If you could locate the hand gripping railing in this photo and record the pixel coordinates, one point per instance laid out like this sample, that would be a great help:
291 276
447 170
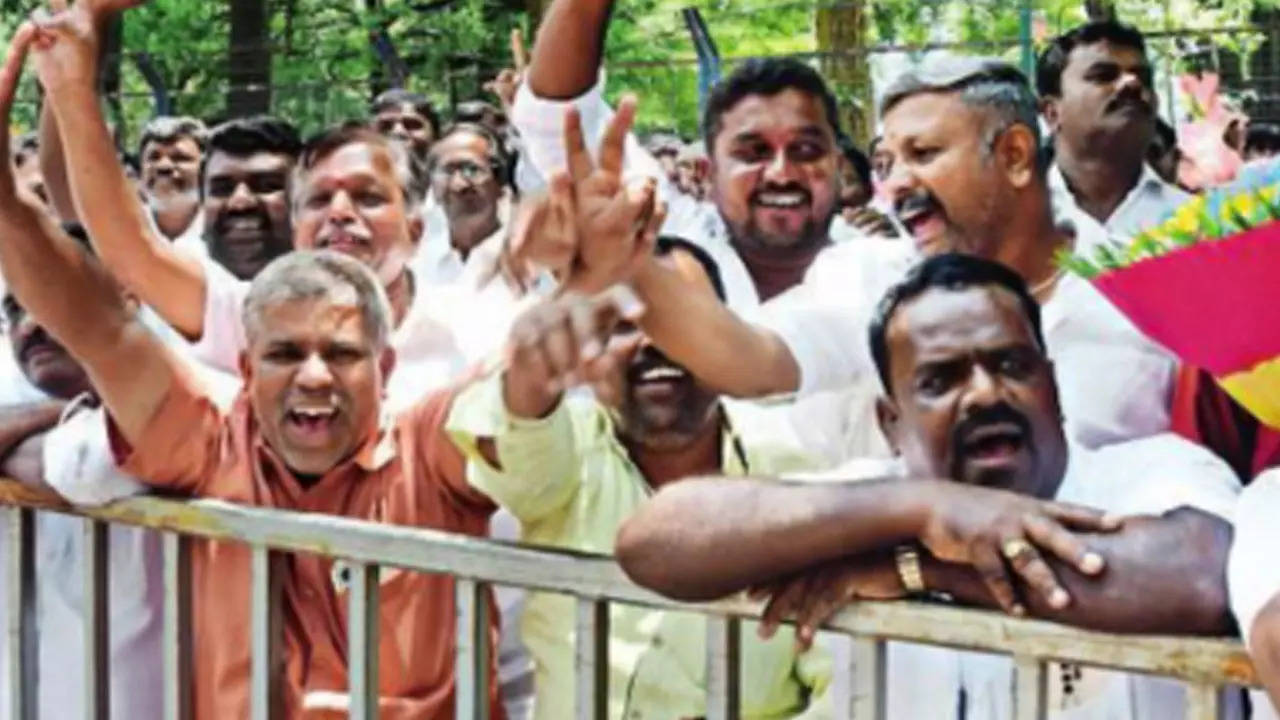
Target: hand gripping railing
1204 664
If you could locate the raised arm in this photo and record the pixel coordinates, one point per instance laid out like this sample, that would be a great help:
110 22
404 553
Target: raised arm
69 293
53 166
116 219
702 539
567 52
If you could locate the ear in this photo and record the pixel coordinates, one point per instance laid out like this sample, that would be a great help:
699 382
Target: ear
416 224
386 364
246 367
887 417
1049 110
1018 154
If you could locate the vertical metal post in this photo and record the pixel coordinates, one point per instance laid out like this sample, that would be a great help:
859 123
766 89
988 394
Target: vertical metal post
24 642
471 701
97 628
869 675
724 656
177 627
362 641
591 659
1030 693
1203 702
265 609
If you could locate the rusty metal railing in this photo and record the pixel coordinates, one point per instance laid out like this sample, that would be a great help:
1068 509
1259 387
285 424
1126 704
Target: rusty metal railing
1205 665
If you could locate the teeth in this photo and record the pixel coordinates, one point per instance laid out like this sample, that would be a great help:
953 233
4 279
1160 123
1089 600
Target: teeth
662 373
314 413
781 199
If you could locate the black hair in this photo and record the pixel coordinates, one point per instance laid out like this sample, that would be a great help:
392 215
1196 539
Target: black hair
667 244
1264 137
858 159
765 76
419 102
499 158
1165 134
1054 58
475 111
948 271
242 137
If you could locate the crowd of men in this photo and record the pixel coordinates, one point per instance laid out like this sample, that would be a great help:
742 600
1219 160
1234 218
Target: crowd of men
762 360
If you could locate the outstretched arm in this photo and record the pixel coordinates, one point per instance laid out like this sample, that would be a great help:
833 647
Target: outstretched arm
566 54
103 198
69 293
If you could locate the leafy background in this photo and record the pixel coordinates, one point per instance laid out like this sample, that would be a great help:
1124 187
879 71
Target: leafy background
316 59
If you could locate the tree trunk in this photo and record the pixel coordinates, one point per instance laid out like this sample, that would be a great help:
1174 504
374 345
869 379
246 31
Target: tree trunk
248 59
841 32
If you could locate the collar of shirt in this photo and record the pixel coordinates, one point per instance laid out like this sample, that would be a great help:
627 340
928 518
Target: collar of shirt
1146 203
733 455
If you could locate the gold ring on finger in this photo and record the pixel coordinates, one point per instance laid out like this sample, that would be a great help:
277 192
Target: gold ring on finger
1013 547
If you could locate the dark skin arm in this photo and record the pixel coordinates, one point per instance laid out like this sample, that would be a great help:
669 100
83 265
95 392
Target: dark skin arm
1264 647
676 543
1179 557
567 52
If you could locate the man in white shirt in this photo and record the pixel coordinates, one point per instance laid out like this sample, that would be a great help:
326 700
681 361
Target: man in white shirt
970 397
39 446
965 174
1254 580
1099 103
469 173
170 154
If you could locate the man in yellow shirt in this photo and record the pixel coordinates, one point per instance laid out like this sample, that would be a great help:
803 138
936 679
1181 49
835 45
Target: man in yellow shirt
572 469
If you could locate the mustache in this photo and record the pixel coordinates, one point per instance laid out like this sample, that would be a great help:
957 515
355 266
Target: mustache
1129 97
999 414
918 201
34 340
647 359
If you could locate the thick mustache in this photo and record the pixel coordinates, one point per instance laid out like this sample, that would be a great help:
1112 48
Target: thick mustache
37 339
920 201
1121 101
1000 413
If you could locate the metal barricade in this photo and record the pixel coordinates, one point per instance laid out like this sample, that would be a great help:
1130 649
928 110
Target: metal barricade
1205 665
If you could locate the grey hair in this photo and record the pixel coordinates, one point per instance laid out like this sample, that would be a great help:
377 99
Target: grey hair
319 274
317 148
993 86
170 128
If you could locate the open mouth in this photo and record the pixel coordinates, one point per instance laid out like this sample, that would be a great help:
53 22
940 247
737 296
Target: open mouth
311 426
41 352
781 200
345 243
994 444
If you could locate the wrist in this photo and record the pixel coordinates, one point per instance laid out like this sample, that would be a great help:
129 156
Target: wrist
526 399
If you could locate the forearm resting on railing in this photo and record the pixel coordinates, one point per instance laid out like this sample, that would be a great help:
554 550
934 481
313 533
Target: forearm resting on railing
19 422
1163 575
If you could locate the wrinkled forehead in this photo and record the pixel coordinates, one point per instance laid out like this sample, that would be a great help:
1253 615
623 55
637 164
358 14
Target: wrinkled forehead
940 324
933 113
335 316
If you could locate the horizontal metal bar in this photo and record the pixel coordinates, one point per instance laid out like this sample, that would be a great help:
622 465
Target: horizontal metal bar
97 631
1193 659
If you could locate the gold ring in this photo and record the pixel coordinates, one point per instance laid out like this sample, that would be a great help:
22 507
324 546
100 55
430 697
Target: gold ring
1013 547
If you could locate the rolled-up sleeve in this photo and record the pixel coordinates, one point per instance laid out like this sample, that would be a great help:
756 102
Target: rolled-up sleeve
539 470
182 444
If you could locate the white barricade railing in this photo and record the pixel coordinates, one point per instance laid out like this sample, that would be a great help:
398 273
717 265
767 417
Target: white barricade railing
1205 665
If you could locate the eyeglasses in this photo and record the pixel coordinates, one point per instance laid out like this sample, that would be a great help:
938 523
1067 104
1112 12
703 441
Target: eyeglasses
473 173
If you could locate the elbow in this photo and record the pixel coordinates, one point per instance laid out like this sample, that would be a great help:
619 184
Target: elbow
648 559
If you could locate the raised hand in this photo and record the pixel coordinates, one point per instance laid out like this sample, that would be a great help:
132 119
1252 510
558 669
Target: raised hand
15 201
617 222
1001 533
560 343
66 46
